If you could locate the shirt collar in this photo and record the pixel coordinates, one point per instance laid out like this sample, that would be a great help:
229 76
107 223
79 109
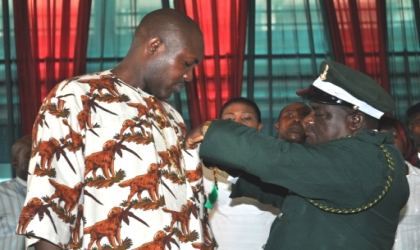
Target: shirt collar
21 182
412 170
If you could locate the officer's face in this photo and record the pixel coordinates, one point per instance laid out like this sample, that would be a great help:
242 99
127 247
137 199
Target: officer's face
326 123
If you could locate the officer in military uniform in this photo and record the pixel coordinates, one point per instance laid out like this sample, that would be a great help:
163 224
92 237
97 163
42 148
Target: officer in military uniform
347 183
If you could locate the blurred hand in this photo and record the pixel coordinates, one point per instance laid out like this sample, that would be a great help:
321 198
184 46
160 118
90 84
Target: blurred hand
46 245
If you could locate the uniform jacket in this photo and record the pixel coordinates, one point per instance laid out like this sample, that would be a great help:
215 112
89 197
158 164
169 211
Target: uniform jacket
344 194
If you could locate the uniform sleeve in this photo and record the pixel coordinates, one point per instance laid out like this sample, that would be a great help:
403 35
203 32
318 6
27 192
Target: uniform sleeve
252 187
337 172
55 172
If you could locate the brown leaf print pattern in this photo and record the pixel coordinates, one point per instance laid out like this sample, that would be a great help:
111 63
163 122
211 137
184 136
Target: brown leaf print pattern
110 227
73 140
104 159
160 240
75 231
69 195
195 175
171 158
148 182
183 217
84 117
56 109
106 82
47 150
39 121
204 246
34 207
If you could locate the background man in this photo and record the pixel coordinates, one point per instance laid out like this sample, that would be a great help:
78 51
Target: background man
289 125
413 114
12 195
347 185
108 167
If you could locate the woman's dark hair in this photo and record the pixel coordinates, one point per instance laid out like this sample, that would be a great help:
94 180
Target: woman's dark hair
242 100
407 137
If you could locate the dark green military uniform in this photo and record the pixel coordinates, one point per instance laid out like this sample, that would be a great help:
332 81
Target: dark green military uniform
344 194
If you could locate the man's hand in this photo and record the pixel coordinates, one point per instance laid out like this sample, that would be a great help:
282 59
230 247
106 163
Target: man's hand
195 136
46 245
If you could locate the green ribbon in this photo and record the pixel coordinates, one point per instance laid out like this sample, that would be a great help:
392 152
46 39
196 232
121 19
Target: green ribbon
212 197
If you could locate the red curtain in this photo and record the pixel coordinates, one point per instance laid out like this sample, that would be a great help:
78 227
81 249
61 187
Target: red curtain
358 33
219 77
51 43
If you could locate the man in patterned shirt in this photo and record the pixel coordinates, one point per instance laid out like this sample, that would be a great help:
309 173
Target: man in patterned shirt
108 168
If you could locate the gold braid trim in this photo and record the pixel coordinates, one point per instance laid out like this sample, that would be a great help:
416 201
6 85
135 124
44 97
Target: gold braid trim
368 205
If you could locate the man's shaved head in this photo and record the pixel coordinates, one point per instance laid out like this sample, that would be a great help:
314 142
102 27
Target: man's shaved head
168 24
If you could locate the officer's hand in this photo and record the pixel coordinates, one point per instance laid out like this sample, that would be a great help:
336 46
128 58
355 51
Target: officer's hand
194 137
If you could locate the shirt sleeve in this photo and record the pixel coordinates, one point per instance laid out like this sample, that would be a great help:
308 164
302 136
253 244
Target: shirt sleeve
55 172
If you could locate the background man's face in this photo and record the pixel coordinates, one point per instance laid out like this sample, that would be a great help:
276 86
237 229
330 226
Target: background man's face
326 123
290 124
414 126
20 161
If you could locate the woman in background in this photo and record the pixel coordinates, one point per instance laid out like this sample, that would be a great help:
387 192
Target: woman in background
239 223
408 231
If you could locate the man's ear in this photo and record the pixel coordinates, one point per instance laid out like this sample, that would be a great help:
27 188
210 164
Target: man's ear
357 121
153 45
15 162
260 126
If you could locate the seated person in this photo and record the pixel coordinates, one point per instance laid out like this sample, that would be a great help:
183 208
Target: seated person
12 195
408 233
239 223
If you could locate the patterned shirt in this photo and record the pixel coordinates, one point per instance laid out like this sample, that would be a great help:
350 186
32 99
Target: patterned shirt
108 170
12 196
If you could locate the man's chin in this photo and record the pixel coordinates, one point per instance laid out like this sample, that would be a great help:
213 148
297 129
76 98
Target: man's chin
163 97
311 141
296 137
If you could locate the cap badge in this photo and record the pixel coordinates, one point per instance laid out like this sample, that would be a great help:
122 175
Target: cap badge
323 76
